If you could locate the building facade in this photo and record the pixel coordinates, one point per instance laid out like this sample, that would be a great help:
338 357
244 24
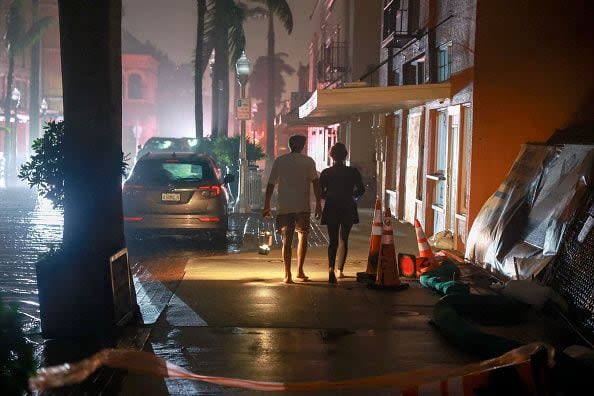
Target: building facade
340 50
426 175
460 86
515 77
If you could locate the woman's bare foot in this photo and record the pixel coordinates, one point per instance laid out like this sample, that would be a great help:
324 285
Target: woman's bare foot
331 277
302 276
341 274
288 280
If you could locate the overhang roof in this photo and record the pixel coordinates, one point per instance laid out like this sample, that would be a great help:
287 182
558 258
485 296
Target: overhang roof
330 106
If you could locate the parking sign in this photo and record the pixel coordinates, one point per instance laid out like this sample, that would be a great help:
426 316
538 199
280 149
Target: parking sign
243 109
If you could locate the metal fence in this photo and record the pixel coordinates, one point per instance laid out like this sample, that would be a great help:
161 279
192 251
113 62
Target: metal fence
254 189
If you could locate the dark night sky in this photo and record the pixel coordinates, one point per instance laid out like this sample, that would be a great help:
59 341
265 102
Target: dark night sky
171 25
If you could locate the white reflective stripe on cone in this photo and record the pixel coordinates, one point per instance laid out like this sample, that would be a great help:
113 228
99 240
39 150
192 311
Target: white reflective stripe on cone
376 230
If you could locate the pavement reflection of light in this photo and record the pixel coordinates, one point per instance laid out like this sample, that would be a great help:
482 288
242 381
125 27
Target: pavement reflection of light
264 293
266 347
255 275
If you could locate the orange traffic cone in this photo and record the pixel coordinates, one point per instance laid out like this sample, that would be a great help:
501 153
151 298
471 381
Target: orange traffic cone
387 269
375 242
426 259
424 248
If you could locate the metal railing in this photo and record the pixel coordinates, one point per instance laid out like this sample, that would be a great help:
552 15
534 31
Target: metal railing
255 193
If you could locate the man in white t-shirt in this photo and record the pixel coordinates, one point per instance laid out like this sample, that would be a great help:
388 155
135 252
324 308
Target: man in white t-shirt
293 172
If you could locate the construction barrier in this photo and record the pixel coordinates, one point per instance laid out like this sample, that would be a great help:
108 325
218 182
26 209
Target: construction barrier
424 248
520 371
426 259
375 242
387 276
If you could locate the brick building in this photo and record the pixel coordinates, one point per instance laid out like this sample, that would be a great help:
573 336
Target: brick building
462 84
514 78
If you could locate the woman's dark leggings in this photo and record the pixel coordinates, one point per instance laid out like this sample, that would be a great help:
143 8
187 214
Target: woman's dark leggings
336 230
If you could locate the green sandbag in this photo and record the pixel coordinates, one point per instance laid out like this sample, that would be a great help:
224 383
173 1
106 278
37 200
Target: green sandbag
448 317
442 279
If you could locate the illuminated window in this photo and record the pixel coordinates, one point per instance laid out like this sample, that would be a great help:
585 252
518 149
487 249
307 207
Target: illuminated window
444 63
134 87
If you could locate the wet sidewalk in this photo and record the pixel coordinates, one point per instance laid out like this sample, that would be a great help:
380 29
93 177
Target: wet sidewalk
232 316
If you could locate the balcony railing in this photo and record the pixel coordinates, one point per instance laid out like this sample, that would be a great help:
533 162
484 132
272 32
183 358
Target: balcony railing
401 22
332 65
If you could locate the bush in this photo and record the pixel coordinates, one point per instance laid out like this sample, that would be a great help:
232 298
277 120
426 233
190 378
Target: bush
16 353
45 169
226 150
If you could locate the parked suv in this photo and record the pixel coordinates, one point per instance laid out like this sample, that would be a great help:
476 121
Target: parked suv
176 194
167 145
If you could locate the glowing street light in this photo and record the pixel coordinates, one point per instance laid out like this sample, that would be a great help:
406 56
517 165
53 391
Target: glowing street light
242 67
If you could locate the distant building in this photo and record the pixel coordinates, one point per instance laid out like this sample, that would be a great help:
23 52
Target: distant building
157 94
339 51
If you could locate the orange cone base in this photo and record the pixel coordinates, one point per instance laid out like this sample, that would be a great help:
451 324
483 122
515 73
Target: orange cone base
364 277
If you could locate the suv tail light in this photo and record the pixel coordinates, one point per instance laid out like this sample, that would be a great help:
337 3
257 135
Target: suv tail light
209 219
132 187
210 191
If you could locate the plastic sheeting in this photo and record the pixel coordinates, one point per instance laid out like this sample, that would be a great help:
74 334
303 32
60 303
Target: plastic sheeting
519 229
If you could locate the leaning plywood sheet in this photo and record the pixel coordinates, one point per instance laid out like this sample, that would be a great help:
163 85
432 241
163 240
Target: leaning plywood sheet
520 227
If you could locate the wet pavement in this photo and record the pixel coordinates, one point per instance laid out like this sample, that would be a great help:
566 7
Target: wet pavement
29 227
236 318
226 312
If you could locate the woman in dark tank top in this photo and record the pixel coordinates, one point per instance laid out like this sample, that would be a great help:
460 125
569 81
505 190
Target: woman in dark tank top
340 187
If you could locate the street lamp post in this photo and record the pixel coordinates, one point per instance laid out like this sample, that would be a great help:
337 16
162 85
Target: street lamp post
242 66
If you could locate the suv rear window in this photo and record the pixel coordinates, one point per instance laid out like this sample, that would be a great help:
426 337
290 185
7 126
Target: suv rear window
171 170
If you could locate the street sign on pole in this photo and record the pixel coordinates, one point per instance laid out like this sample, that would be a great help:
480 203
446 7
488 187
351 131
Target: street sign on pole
243 109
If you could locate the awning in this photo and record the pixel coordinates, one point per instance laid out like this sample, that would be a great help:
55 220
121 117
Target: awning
330 106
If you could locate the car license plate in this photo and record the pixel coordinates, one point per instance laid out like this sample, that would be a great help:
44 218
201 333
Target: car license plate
170 197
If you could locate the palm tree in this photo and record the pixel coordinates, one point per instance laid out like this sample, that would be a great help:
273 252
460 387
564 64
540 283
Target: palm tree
18 38
258 89
282 11
198 69
223 32
34 80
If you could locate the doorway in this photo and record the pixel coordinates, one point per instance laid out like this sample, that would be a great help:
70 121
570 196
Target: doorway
446 171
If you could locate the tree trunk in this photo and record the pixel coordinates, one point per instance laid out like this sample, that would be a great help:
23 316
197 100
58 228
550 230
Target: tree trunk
220 75
93 223
10 137
198 74
270 94
34 83
224 90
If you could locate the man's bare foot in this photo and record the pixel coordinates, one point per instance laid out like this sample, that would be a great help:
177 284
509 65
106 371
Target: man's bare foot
288 280
341 274
302 276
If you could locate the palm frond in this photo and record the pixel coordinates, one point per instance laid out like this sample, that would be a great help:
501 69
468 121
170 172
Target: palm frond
209 29
33 35
281 9
15 22
237 16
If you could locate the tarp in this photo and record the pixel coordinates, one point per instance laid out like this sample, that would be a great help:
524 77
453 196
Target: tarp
519 229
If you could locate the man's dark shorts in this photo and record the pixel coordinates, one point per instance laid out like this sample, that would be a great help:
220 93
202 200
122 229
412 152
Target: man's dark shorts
289 222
